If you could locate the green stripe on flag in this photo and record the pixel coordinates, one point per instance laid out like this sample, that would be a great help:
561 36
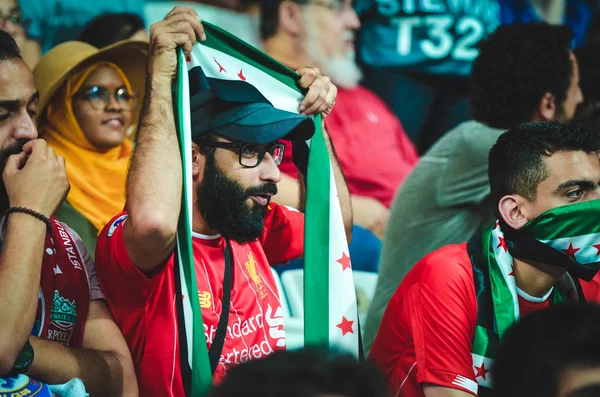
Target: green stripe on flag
544 227
201 371
316 243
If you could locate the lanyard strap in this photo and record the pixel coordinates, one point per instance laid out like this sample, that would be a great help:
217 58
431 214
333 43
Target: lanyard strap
217 346
219 341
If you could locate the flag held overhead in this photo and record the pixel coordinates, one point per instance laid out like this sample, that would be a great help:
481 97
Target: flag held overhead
229 87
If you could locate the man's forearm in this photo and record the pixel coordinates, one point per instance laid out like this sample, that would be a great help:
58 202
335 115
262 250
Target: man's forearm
20 269
101 372
154 182
155 178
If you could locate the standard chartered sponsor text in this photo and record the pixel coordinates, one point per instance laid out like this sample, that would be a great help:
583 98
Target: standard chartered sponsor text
241 329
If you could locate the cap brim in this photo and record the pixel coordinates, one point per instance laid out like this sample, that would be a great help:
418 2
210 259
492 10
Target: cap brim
258 123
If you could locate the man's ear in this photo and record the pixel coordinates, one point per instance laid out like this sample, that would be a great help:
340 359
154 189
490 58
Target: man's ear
290 18
546 110
198 160
514 209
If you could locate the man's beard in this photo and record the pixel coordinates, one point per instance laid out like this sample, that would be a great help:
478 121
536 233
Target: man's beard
223 204
340 68
5 153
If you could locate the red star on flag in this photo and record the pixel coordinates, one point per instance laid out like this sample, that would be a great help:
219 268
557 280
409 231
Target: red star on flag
187 58
221 68
512 266
481 371
346 326
571 251
496 224
597 246
344 261
502 244
241 75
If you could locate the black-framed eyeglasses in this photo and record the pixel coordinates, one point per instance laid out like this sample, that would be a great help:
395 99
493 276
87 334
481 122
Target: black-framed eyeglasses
251 154
99 97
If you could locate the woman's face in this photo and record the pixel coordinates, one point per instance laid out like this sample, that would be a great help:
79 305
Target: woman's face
103 118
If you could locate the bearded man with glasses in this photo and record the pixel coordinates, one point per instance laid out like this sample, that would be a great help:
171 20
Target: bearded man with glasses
237 233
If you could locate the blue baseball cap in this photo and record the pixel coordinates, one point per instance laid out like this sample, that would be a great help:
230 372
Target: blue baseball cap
237 110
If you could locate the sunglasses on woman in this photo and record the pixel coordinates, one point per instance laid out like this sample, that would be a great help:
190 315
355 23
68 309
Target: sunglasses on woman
99 97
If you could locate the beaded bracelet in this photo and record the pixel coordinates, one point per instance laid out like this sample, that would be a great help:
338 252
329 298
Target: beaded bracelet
33 213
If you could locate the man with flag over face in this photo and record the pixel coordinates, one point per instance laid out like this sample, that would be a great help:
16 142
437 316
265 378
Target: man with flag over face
236 231
440 333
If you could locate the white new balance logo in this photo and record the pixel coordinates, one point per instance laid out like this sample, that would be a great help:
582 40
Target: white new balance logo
465 383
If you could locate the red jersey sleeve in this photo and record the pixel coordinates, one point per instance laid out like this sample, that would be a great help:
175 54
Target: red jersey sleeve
428 327
124 285
283 238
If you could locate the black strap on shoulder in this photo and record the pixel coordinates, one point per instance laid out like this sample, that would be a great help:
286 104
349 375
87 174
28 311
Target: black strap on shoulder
217 346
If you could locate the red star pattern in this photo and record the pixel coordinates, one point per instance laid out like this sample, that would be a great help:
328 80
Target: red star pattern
481 371
496 225
241 75
512 266
502 244
187 58
346 326
344 261
597 246
571 251
221 68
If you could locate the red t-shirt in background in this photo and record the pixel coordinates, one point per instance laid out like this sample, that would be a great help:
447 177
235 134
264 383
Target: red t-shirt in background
426 334
145 310
374 152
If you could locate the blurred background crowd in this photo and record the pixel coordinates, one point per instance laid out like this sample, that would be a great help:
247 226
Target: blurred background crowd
412 126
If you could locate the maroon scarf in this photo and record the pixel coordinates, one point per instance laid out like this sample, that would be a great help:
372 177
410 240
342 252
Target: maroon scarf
64 290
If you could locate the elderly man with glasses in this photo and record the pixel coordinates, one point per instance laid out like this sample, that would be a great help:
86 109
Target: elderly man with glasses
374 152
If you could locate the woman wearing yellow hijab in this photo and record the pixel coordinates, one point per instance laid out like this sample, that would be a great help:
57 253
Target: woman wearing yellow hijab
87 111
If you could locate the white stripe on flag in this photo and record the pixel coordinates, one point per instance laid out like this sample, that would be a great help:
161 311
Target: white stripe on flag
481 370
219 65
342 295
505 263
583 246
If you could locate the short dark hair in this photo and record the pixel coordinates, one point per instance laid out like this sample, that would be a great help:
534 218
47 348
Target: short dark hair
588 116
110 28
203 141
536 350
516 161
269 16
8 47
302 373
516 66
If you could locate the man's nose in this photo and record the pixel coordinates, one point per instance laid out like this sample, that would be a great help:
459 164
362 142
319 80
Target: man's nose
24 127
